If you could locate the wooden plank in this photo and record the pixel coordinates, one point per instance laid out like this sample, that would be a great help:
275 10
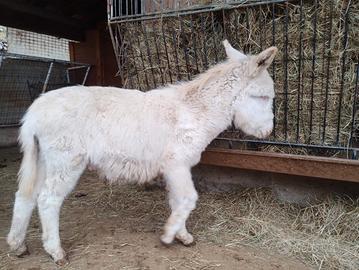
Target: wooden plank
39 20
322 167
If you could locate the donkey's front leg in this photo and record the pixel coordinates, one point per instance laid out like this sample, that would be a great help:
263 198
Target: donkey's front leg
182 200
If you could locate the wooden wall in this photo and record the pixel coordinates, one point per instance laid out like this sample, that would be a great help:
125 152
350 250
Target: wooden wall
97 50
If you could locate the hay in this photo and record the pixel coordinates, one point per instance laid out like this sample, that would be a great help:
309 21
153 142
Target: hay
192 44
325 235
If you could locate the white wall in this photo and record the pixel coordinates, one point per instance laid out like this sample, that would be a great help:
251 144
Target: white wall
34 44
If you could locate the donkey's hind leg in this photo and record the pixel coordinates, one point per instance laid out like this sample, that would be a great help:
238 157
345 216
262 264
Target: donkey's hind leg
23 207
182 200
59 182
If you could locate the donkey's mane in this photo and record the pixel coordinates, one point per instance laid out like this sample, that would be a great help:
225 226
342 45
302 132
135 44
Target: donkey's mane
202 79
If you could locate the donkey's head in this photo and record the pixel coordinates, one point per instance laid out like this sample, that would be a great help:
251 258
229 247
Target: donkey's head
252 108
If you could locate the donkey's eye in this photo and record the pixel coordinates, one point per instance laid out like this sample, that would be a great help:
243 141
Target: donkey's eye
262 98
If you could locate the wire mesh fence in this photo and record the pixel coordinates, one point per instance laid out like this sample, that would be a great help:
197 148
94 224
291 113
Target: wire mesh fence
24 78
315 72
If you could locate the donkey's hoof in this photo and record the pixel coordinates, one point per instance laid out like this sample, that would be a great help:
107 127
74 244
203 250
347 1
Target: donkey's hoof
22 251
167 242
60 258
187 240
62 262
189 244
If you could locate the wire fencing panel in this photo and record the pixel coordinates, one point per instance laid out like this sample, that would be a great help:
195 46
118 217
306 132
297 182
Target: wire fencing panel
24 78
315 71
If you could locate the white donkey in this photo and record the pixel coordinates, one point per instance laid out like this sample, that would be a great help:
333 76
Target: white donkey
131 136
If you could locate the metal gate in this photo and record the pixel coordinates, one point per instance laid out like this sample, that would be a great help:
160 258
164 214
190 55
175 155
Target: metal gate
316 71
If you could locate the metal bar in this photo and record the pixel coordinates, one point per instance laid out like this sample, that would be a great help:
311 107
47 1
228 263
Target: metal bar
143 62
149 55
236 33
288 144
179 77
10 125
273 71
204 44
47 78
119 44
78 67
261 30
127 65
354 110
286 74
321 167
189 11
345 47
328 70
301 25
110 12
67 76
114 45
121 13
86 75
214 37
2 57
246 45
224 23
314 47
111 9
134 64
185 49
166 50
121 54
38 59
194 41
157 52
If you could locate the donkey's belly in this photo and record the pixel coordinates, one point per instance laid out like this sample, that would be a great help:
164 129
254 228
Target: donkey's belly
127 170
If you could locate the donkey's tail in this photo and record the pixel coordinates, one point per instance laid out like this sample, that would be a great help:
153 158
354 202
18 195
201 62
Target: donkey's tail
29 166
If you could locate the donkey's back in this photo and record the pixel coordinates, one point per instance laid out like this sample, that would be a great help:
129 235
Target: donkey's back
123 133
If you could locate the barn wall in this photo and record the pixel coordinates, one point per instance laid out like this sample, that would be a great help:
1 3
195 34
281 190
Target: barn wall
97 50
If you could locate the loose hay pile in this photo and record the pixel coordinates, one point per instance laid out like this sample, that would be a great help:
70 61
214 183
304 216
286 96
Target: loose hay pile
314 72
325 235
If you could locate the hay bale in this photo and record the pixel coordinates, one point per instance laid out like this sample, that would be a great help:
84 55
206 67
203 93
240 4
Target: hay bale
312 80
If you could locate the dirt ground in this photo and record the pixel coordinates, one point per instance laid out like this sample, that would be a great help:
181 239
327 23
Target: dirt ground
114 227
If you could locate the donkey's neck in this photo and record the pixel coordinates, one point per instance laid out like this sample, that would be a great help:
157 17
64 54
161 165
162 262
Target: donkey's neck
210 96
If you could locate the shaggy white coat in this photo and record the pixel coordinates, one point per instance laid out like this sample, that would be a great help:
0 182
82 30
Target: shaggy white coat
132 136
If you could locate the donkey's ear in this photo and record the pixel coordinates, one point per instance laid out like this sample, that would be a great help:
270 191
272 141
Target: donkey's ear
232 53
262 61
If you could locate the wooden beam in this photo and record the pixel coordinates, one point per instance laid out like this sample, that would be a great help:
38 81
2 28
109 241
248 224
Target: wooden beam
37 20
311 166
40 13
